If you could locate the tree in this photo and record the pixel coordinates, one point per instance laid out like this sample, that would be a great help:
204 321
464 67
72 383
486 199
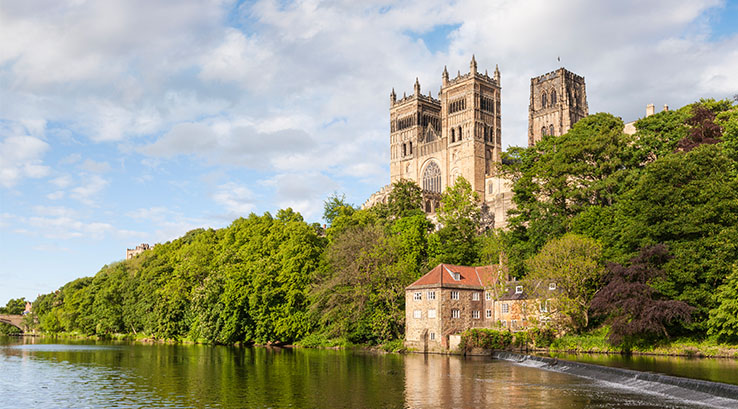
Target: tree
405 199
560 177
703 129
456 241
636 311
573 263
723 322
334 206
15 306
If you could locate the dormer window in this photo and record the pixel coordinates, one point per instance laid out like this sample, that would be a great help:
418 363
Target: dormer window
457 276
518 289
551 286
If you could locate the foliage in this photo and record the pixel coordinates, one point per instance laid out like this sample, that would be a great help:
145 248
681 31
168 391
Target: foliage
559 178
573 263
405 199
637 311
723 323
485 338
459 214
335 206
15 306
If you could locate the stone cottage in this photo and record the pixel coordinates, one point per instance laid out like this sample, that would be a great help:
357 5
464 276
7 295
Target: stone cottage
451 299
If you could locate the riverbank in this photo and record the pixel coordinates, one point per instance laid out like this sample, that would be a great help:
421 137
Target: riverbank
596 342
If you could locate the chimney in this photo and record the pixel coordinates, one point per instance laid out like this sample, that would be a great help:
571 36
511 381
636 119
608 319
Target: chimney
666 108
650 109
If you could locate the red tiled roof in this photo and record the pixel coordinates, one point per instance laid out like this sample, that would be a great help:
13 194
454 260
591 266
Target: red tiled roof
443 275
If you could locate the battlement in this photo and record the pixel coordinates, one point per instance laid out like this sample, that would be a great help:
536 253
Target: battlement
553 74
131 253
420 97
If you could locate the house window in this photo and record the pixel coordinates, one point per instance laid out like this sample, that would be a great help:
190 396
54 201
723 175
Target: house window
544 306
503 324
475 314
505 308
455 313
513 324
488 296
457 276
431 313
551 129
489 313
417 314
432 336
551 286
475 296
454 295
418 296
431 295
518 289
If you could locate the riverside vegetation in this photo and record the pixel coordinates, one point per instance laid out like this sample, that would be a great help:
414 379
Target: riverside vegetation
640 232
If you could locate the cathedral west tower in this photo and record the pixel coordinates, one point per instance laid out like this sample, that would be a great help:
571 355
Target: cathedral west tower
433 141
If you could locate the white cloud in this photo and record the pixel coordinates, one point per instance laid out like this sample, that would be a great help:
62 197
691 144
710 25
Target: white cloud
95 167
238 200
303 192
87 192
21 157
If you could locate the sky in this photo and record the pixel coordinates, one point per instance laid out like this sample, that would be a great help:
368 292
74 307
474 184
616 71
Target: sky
135 121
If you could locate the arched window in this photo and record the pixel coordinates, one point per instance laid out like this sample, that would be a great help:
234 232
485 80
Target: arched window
551 129
543 99
553 97
432 178
453 135
459 138
543 131
411 148
404 149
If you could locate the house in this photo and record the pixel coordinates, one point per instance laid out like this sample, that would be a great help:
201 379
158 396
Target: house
451 299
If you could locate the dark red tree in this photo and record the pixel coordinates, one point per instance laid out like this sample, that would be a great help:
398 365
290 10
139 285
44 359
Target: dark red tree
703 131
635 310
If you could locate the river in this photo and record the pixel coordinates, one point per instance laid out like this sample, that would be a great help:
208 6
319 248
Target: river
42 373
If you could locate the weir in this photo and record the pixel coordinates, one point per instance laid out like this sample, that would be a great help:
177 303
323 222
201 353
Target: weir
714 394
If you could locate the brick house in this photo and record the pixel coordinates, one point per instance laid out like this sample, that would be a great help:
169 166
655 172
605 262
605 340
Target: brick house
450 299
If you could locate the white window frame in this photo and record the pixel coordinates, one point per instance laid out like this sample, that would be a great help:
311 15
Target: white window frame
432 336
418 296
505 308
518 289
488 295
544 306
431 295
454 295
489 313
475 296
455 313
475 314
431 313
457 276
417 314
514 324
551 286
503 323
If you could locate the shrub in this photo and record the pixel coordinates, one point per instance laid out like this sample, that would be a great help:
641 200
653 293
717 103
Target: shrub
485 338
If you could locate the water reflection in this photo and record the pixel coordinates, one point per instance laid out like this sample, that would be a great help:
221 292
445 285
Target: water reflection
43 374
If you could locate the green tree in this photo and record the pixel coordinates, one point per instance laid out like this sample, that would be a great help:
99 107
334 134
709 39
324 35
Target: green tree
456 241
14 306
335 206
574 264
723 322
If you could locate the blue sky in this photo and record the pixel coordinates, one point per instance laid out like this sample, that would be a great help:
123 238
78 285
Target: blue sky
135 121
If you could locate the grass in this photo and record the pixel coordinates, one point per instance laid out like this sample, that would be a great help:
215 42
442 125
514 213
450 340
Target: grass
595 341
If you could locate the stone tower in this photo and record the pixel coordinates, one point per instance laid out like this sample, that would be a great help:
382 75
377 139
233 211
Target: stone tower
557 101
433 141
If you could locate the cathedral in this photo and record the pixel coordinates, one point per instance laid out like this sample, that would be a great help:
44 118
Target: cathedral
433 141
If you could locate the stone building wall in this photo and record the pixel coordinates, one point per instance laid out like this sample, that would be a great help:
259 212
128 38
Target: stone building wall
555 116
459 133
